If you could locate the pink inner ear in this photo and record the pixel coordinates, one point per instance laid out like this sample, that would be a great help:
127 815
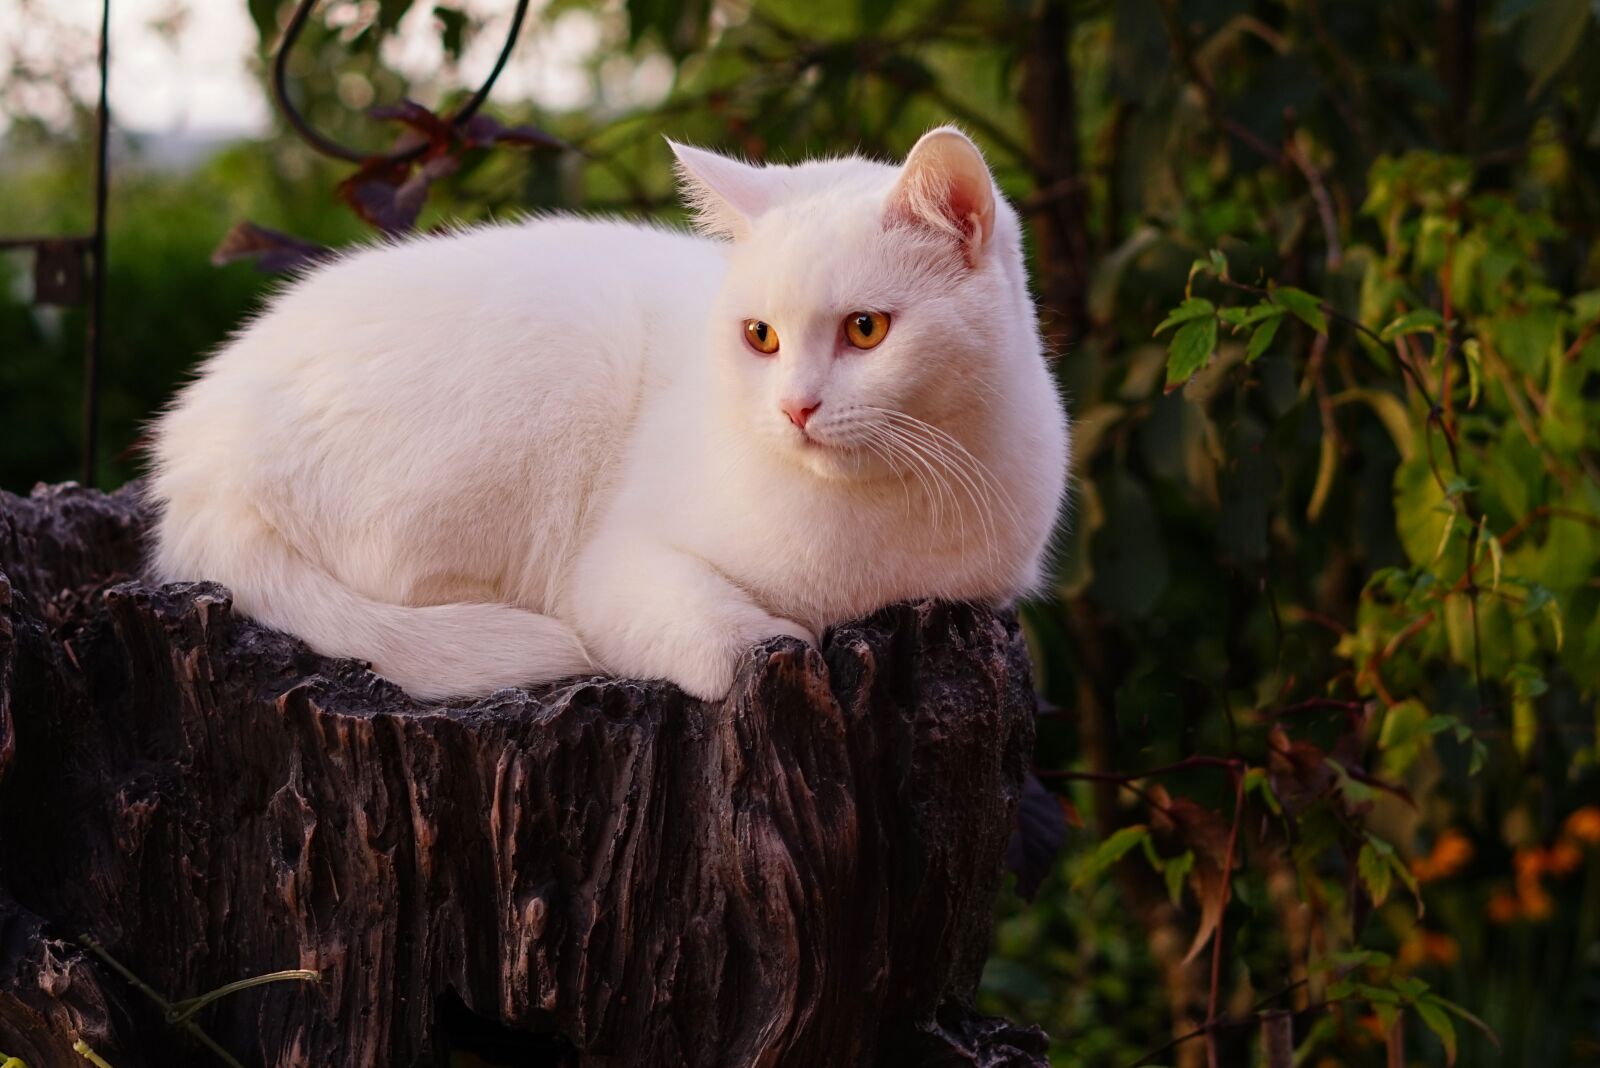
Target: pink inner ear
946 187
962 207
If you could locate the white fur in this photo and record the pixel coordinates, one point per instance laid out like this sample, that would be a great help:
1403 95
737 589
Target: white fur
516 453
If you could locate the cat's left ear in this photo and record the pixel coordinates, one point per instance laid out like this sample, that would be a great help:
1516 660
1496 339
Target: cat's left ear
725 195
945 185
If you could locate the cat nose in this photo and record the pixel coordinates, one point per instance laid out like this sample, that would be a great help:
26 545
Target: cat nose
799 412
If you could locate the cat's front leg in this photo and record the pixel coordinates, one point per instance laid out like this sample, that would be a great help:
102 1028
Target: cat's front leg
647 610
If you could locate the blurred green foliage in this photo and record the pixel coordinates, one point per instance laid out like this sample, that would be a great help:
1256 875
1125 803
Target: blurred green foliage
1332 572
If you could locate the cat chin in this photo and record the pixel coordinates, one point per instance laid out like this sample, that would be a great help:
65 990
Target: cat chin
837 463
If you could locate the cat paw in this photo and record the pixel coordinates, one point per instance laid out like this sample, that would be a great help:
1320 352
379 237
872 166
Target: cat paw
784 628
712 678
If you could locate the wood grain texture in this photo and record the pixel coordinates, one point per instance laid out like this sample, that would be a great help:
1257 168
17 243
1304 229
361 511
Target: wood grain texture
802 874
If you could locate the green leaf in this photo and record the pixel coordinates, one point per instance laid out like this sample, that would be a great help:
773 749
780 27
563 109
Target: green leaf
1403 736
874 12
1262 338
1438 1022
1250 314
1176 871
1473 354
1378 995
1193 308
264 13
1376 875
1110 851
1462 1014
1497 553
1256 780
1541 601
1353 958
1409 986
452 29
1409 881
1444 538
1191 347
1526 338
390 12
1419 321
1327 465
1586 307
1306 308
1551 37
1528 681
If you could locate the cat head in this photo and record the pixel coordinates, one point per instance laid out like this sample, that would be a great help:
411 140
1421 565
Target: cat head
864 303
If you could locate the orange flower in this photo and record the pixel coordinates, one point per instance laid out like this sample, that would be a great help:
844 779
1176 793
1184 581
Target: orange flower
1584 824
1503 906
1563 857
1452 851
1534 903
1529 861
1428 947
1440 948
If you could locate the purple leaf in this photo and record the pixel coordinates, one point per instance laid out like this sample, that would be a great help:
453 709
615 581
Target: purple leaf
480 131
390 194
1041 829
271 250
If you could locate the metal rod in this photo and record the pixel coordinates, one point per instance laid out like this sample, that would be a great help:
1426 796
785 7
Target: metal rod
94 346
327 145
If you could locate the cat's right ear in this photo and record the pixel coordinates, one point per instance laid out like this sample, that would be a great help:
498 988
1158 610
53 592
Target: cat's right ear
725 195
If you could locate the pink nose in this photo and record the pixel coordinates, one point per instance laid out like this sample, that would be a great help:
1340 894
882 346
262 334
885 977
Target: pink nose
799 412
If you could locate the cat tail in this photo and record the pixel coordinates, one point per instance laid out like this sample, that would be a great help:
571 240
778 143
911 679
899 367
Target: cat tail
432 651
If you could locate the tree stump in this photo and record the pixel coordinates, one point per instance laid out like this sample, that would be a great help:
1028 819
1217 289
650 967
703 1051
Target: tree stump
596 873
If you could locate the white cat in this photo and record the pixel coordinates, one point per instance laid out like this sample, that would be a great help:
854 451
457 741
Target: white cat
516 453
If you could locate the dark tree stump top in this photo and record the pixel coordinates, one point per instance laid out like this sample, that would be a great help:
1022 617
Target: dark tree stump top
802 874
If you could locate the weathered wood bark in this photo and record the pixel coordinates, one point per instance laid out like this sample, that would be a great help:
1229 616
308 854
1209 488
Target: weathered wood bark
606 871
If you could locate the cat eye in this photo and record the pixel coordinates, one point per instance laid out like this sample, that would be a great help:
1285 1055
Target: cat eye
761 336
865 329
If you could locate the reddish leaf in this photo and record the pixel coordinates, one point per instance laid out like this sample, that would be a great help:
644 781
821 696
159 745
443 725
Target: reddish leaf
272 250
436 132
1298 769
481 131
1213 890
390 194
1196 827
1192 826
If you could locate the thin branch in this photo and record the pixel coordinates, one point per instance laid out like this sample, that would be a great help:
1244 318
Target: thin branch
1128 778
1319 195
1319 704
1257 1007
1546 511
188 1026
1227 886
1184 48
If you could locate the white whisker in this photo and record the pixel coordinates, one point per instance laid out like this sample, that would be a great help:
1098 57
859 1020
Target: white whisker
972 464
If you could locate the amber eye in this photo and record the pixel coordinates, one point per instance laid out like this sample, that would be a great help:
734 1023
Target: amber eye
761 336
865 329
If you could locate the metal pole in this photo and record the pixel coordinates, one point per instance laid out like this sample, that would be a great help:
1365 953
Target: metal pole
95 341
